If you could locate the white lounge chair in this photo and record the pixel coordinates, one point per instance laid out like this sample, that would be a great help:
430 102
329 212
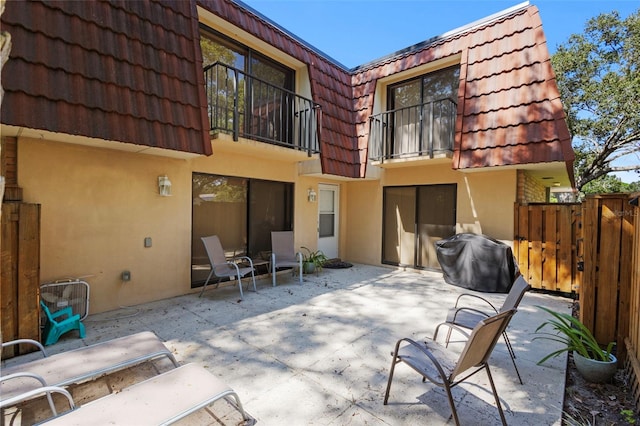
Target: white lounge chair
82 364
160 400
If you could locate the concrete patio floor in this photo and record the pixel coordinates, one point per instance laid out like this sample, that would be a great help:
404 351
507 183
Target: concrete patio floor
319 353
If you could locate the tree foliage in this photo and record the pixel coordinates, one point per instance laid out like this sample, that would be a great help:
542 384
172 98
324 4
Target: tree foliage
599 81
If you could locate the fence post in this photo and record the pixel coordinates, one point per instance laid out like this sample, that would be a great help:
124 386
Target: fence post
20 253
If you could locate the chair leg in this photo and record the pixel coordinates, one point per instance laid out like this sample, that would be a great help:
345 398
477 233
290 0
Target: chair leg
452 404
512 354
495 395
81 330
240 287
205 283
393 367
446 342
273 268
253 277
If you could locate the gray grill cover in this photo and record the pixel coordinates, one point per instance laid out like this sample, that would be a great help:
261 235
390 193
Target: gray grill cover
477 262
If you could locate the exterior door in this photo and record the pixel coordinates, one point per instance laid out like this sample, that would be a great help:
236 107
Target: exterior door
414 218
328 200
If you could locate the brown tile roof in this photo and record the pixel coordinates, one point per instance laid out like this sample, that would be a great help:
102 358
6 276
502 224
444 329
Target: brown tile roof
509 112
121 71
509 109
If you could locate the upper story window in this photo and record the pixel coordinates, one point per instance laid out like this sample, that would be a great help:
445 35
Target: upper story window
432 87
218 48
420 117
250 95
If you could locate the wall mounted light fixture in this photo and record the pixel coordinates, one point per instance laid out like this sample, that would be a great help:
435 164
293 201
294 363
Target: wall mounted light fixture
164 186
311 195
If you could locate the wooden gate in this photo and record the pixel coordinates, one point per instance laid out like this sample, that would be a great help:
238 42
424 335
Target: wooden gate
20 273
545 245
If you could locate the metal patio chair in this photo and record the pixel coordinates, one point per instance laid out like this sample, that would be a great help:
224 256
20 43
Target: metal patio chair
221 267
467 317
283 254
442 367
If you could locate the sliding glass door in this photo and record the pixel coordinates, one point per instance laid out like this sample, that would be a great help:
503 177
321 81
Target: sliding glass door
241 212
414 218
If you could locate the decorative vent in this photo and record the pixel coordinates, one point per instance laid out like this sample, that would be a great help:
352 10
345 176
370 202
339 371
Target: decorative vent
60 294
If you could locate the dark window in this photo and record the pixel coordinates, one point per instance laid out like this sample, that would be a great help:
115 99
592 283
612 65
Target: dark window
424 113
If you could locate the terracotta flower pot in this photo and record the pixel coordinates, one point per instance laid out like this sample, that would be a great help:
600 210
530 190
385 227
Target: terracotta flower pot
595 371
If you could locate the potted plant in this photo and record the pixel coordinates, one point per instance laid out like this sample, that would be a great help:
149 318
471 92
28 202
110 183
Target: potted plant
592 362
312 261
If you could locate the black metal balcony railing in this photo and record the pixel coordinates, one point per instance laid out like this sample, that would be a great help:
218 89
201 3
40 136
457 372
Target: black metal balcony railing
421 130
246 106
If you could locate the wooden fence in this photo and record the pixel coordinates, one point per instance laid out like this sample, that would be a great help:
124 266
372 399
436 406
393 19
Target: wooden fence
546 245
585 249
605 243
608 229
632 340
20 273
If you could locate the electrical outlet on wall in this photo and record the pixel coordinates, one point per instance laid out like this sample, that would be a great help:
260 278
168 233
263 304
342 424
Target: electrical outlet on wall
126 276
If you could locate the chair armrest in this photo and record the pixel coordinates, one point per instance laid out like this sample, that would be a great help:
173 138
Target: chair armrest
245 259
44 390
235 265
64 311
475 297
26 341
468 309
422 349
451 327
22 374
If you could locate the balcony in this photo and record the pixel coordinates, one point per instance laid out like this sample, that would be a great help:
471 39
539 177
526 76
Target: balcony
424 131
247 107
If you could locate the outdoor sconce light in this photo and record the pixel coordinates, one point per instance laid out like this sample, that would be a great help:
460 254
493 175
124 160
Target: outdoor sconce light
164 186
311 195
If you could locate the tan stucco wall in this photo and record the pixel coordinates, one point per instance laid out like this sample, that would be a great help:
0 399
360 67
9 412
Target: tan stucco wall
98 205
484 205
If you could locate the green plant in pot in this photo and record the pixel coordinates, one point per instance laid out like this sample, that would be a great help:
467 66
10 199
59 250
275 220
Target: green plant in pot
312 261
593 363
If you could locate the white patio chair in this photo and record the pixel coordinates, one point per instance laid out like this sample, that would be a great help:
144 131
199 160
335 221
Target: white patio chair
283 254
221 267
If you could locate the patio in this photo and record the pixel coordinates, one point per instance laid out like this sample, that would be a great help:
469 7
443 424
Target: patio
319 353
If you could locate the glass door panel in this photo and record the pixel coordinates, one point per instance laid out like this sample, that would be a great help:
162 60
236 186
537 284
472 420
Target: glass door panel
436 221
406 120
270 209
219 206
399 226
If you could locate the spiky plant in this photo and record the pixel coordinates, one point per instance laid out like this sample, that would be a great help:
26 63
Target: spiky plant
573 335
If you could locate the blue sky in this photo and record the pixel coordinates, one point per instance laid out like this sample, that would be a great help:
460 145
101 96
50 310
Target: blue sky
354 32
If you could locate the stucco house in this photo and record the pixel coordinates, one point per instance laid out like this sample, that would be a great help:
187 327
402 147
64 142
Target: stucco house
255 130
